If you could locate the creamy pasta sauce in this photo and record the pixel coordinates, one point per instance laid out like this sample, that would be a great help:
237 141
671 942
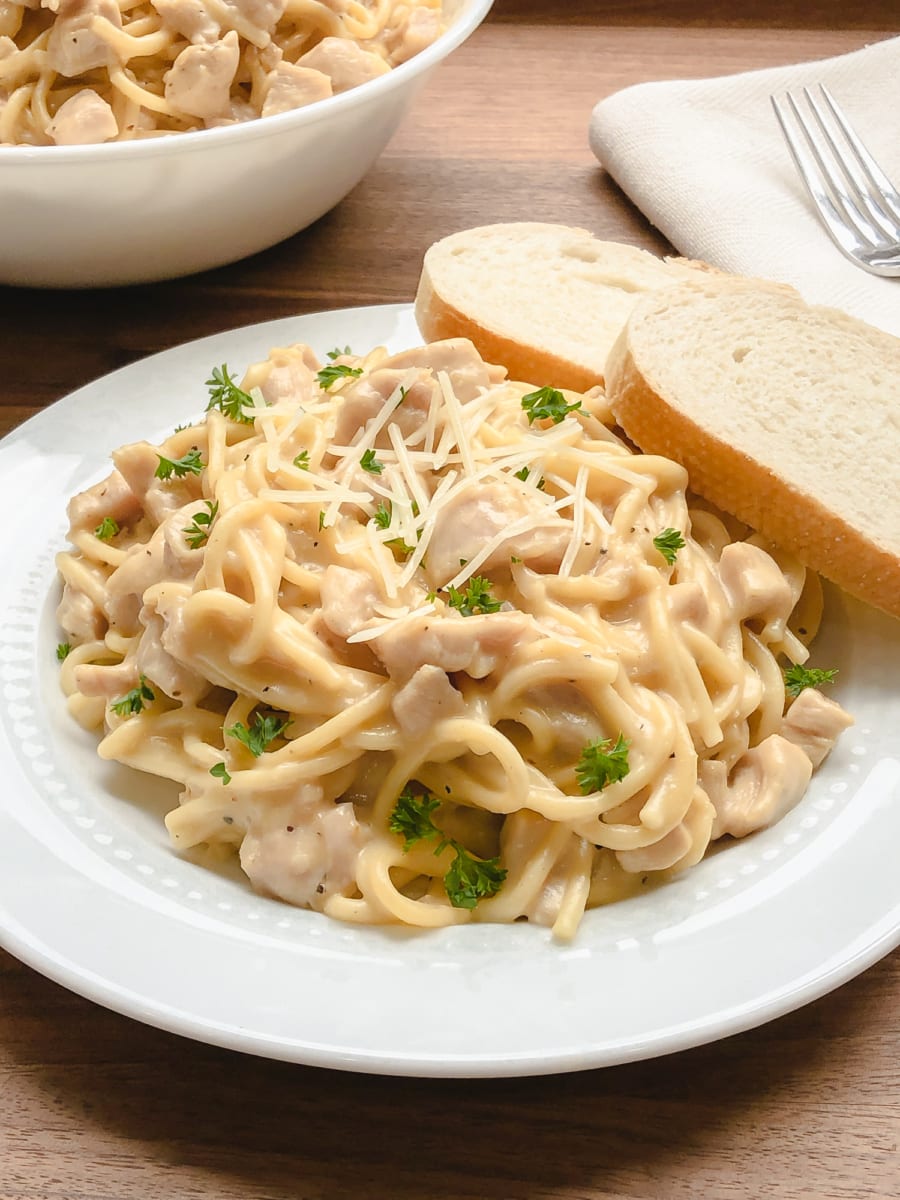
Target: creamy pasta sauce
425 645
85 71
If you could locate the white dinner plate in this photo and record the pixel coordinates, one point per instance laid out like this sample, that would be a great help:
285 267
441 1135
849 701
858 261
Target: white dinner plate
92 895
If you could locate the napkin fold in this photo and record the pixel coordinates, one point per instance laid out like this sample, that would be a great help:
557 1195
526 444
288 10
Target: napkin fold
706 162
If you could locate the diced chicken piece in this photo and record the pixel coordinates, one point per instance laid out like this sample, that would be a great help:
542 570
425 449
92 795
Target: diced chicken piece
190 18
348 599
137 464
813 722
82 120
468 372
155 662
345 63
365 399
142 566
478 513
112 497
289 86
417 30
110 681
253 19
72 46
425 699
756 585
77 614
765 783
199 81
289 373
658 856
309 854
689 603
475 645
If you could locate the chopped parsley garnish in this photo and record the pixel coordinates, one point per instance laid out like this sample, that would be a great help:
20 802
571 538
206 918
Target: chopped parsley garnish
220 771
301 460
337 352
107 529
260 735
404 392
602 763
370 463
188 464
547 403
197 533
523 475
227 397
321 518
382 516
476 597
330 375
468 879
668 543
411 817
133 702
63 650
797 678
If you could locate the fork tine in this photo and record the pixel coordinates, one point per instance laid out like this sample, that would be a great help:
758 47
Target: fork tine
815 174
877 177
858 204
870 188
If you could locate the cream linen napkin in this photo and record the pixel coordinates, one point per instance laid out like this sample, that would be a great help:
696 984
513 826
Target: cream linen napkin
706 163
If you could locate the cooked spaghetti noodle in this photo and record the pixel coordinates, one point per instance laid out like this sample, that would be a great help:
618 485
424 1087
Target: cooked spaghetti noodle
87 71
425 645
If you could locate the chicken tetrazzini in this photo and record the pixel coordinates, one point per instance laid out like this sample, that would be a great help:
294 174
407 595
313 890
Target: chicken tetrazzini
83 71
426 646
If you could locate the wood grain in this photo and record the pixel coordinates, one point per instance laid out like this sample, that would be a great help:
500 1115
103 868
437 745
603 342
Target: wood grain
94 1106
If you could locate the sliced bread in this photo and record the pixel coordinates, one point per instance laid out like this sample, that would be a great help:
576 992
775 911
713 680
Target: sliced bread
545 301
785 415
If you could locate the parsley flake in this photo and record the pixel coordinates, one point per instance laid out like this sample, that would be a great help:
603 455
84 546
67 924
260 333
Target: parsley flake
370 463
475 599
197 533
63 650
188 464
227 397
337 352
382 516
107 529
411 817
468 879
797 678
330 375
133 702
668 543
220 771
301 460
547 403
260 735
602 763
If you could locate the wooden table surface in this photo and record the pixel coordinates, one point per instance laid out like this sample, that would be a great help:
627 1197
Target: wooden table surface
94 1105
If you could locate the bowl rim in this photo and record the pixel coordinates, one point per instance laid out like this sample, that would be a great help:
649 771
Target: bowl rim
470 14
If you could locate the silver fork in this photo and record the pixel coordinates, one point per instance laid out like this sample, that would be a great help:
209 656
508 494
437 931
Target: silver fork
858 204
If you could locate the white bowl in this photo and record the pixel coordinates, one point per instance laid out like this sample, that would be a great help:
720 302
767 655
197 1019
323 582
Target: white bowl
133 212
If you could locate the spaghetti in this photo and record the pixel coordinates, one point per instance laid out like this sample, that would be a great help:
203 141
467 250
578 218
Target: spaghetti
424 645
87 71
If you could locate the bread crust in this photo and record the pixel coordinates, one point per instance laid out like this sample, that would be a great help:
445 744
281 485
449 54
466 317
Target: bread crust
755 493
437 319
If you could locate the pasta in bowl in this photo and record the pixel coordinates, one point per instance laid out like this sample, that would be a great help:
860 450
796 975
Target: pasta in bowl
143 141
425 645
